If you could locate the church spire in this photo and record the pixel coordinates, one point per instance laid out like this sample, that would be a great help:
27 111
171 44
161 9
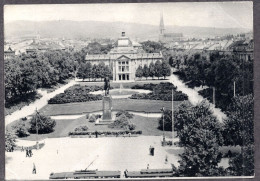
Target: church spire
161 25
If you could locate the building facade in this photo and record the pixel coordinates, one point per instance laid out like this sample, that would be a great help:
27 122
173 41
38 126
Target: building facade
9 53
124 59
168 37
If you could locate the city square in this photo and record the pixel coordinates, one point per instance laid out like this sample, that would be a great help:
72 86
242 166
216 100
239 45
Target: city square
137 99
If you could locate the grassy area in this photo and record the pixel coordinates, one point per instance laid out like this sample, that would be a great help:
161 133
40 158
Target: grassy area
118 104
63 127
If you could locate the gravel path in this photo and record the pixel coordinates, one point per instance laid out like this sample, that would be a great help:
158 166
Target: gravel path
30 109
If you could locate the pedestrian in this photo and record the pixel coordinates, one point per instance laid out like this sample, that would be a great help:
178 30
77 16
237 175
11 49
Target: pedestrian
129 134
27 152
166 159
34 169
125 173
30 153
96 134
147 166
22 149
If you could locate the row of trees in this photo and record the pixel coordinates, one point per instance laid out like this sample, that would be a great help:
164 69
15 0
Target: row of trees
27 72
159 69
86 70
220 72
202 135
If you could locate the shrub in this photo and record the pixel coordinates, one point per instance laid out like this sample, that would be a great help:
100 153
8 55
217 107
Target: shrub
92 118
81 128
120 122
162 91
113 133
131 126
21 128
77 93
10 140
45 124
126 113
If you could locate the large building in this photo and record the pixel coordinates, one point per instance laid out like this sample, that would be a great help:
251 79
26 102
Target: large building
168 37
9 53
125 58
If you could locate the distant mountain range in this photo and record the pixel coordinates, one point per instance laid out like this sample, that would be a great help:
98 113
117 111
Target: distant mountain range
98 29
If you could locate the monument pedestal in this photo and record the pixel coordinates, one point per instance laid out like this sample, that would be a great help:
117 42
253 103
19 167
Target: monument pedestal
107 110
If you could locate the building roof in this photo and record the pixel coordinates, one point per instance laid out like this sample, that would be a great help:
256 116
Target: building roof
175 35
116 56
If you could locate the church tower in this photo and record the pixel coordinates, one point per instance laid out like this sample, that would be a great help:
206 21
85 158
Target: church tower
161 28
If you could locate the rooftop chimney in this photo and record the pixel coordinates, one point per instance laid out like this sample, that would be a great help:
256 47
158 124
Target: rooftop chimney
123 33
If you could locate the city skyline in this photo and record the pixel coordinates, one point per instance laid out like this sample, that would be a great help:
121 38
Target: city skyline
204 14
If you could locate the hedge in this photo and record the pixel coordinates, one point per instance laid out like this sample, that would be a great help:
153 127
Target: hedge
107 133
77 93
162 91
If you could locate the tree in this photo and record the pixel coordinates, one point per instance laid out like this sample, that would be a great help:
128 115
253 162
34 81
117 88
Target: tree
239 126
145 71
45 124
166 69
171 61
94 72
21 128
108 72
203 159
158 69
151 70
100 70
189 120
243 163
152 47
10 140
199 132
139 72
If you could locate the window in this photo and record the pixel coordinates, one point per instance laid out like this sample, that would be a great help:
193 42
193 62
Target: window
119 77
127 77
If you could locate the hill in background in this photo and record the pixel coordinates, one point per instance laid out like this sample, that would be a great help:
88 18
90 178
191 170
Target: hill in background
97 29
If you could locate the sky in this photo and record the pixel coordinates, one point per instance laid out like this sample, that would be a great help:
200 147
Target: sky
204 14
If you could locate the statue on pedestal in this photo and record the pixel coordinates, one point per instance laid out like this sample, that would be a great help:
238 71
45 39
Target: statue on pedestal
107 101
106 86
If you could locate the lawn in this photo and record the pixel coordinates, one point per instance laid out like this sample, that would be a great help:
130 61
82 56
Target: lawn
63 127
150 106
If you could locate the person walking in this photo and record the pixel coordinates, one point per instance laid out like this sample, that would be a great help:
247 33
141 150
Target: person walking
27 152
125 173
34 169
147 166
30 153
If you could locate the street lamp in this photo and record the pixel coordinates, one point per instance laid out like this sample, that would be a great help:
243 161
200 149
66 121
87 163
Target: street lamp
37 142
163 126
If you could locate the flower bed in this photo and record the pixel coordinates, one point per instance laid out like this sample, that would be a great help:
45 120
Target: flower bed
105 133
77 93
162 91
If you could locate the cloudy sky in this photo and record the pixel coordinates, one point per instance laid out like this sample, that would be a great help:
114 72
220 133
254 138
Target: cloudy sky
213 14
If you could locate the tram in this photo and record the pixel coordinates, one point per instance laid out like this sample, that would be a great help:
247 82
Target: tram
150 173
85 174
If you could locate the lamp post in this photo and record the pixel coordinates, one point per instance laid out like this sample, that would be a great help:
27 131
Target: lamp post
163 126
36 120
172 119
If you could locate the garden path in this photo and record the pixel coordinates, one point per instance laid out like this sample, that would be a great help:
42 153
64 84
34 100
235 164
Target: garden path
194 97
30 109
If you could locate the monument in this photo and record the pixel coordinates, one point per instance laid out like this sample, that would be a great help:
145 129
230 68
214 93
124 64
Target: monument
107 103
